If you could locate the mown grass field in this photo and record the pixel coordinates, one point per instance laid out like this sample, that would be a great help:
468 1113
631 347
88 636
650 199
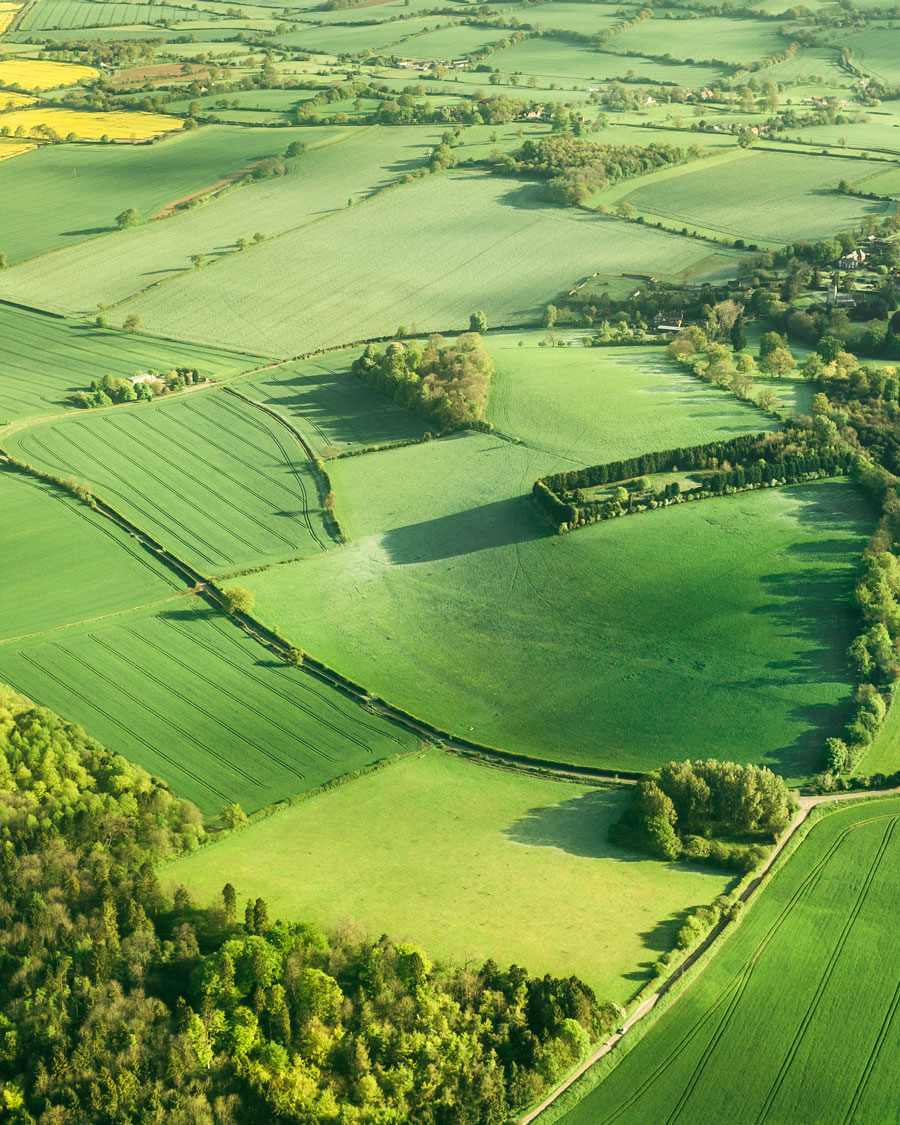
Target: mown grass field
43 74
60 563
470 862
63 194
46 359
118 125
718 628
746 198
331 408
795 1019
189 696
214 479
454 239
351 163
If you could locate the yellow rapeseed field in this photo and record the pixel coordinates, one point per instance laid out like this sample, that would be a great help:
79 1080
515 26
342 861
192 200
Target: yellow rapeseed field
33 74
10 148
7 11
88 126
10 99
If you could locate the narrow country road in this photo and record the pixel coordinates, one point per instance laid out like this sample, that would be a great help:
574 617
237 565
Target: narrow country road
807 804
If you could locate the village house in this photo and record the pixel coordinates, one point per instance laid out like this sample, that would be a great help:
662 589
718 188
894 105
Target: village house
852 260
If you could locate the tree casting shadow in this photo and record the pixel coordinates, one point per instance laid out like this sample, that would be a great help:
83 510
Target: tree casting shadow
579 826
497 524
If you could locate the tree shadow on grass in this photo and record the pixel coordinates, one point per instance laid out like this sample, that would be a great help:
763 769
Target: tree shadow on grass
498 524
200 611
579 826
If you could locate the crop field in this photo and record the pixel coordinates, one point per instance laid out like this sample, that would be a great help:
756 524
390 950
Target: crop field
753 617
35 74
339 39
395 852
9 148
746 197
318 184
555 61
58 14
45 360
215 480
452 42
9 99
331 408
189 696
7 15
123 125
734 40
586 19
63 194
79 566
795 1017
877 52
454 239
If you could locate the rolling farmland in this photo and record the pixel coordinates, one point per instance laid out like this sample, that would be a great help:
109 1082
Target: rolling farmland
88 126
215 480
35 74
46 359
758 1026
395 849
189 696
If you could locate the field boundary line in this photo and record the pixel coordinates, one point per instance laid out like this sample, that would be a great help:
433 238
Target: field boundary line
90 620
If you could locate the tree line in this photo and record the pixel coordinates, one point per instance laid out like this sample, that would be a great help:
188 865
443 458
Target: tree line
445 382
122 1002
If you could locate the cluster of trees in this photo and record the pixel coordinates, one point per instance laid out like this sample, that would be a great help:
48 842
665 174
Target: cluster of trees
445 382
121 1003
749 462
575 167
111 389
703 353
686 808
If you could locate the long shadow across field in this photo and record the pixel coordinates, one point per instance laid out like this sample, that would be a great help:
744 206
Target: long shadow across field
498 524
579 826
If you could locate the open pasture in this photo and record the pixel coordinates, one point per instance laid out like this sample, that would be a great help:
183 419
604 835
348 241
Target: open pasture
39 74
795 1018
454 238
746 197
471 863
85 125
63 194
717 628
76 14
46 359
586 19
61 563
316 186
189 696
452 42
553 60
876 51
331 408
341 39
218 482
709 37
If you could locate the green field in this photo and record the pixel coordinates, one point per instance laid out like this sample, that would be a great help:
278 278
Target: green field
745 197
734 40
46 359
718 628
59 195
56 14
470 862
350 163
332 409
213 479
553 60
795 1017
877 52
460 241
61 563
189 696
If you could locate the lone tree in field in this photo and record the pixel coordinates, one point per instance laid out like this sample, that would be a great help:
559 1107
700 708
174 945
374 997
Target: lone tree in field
128 218
132 322
198 260
478 321
238 600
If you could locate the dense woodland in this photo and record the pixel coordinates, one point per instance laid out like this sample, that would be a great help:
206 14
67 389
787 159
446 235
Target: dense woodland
120 1003
447 383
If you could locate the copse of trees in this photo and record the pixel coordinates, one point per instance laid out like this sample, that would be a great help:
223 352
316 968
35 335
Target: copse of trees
685 809
111 389
119 1002
445 382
